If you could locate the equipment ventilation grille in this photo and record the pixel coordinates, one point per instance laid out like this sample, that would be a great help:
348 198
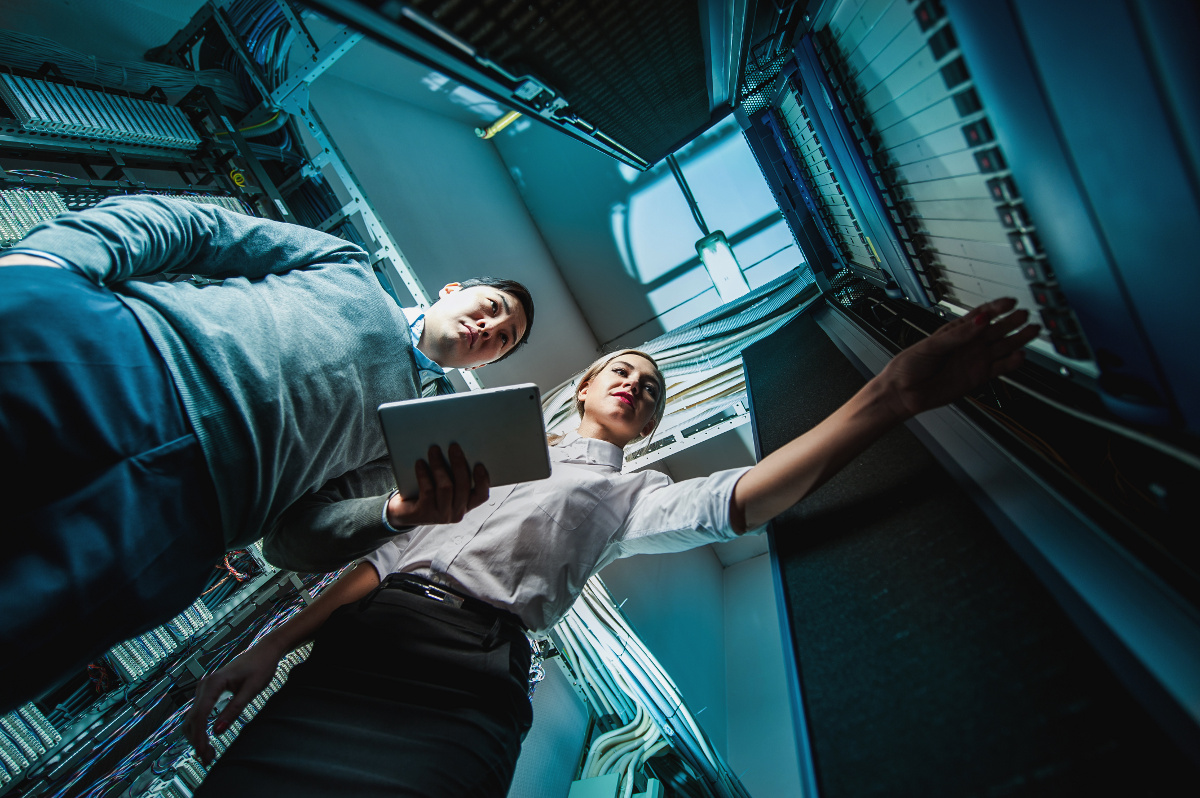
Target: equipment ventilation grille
632 68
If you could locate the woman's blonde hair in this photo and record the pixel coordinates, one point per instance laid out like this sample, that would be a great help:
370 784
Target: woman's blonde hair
660 401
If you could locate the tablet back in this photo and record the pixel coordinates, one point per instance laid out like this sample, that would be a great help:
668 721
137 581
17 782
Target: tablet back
499 427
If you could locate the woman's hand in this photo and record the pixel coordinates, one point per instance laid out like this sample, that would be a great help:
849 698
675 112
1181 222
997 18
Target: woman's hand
246 676
446 491
958 358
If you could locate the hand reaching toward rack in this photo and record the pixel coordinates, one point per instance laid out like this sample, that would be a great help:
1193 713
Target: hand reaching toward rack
959 357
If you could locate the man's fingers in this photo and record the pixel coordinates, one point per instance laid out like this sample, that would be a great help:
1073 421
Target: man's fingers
482 485
460 472
443 494
424 480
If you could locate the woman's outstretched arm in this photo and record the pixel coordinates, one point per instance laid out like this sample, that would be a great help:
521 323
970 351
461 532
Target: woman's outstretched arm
957 358
253 669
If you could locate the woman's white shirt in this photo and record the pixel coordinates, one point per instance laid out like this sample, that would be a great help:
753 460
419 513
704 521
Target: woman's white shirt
531 547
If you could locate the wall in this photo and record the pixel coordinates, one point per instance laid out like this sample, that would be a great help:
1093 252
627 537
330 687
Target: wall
717 632
762 739
551 753
570 190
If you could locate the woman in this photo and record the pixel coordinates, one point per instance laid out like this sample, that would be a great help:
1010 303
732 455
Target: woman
417 683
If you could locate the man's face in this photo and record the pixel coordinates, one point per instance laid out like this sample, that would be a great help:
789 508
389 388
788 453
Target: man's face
469 327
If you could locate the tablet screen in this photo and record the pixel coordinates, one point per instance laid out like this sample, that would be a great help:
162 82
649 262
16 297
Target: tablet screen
499 427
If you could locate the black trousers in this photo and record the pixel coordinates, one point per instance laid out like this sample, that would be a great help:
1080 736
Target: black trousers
111 524
401 696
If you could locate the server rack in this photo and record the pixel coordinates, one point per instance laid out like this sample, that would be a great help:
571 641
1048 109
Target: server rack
66 145
930 156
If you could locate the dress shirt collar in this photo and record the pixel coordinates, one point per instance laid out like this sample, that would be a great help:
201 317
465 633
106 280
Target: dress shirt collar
576 449
428 369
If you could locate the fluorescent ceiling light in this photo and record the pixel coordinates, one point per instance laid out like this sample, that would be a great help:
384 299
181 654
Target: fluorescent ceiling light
722 267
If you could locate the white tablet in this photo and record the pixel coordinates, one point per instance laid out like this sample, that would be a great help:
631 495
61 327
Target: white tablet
499 427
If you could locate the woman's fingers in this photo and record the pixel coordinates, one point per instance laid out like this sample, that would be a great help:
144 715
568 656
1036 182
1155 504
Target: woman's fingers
1014 341
992 309
1003 325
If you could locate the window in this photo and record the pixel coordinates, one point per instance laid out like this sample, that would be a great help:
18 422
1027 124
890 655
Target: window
657 234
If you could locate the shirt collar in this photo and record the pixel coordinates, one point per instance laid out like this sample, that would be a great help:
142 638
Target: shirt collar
576 449
416 325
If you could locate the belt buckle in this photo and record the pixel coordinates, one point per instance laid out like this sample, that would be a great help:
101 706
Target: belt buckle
437 594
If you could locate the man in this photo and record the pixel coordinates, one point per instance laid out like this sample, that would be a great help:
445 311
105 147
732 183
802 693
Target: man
150 426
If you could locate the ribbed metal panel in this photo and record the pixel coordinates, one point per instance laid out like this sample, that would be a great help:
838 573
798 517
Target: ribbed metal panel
71 112
635 70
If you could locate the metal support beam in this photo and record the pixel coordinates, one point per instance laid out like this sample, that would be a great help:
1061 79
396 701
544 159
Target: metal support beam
321 60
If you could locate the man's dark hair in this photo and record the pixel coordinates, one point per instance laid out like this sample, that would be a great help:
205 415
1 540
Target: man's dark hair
515 290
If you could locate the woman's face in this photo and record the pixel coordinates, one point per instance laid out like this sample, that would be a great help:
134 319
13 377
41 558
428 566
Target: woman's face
619 401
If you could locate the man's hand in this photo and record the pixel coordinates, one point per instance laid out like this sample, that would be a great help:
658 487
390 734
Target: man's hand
958 358
446 493
246 676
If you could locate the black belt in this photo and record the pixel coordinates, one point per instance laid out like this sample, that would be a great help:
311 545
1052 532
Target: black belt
420 586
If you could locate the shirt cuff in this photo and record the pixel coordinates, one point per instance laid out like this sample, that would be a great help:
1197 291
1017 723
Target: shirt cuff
391 528
37 253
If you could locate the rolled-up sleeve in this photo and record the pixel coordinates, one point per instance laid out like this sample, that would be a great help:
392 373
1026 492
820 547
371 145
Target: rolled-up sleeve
680 516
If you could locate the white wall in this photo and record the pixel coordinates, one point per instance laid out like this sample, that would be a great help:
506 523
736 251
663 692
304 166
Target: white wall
551 752
762 740
717 632
571 190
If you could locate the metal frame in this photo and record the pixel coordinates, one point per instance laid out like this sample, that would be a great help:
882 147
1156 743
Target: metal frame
820 98
292 97
681 443
420 38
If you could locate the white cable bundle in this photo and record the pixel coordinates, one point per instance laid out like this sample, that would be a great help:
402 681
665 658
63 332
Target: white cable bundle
23 51
620 676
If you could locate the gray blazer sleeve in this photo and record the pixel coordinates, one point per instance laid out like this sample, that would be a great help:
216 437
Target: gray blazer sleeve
329 527
124 238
